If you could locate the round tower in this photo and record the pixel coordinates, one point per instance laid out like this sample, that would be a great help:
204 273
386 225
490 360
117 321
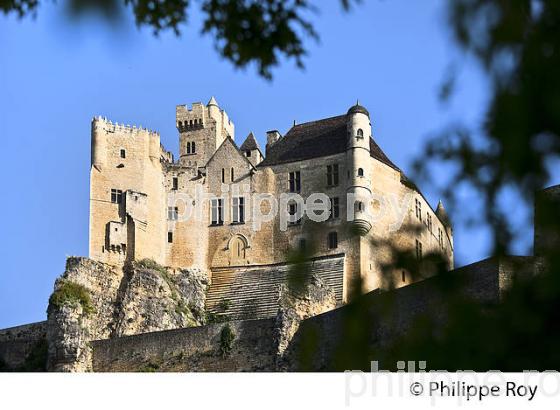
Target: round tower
359 166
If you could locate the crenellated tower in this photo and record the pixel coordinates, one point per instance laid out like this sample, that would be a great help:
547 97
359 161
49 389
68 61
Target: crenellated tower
202 129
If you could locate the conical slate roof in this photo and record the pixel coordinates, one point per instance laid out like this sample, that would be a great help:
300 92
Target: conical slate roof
213 101
250 143
441 213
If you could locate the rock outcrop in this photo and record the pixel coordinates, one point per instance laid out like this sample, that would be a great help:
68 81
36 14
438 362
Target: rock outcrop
93 301
297 303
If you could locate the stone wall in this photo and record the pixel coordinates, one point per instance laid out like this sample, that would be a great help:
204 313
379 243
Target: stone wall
386 316
16 343
202 349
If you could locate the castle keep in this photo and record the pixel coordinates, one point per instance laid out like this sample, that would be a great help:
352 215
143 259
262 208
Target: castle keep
142 200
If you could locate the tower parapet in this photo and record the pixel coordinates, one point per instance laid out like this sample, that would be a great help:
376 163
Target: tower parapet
202 129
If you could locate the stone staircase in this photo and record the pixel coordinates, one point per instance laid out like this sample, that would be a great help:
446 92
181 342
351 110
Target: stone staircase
252 292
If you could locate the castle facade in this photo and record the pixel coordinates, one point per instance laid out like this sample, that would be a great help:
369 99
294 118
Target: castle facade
231 210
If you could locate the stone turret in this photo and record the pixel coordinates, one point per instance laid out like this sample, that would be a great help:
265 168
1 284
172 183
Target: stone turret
250 148
359 165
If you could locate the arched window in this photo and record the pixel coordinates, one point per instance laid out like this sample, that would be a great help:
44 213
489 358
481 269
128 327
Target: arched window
188 147
237 248
360 134
195 121
190 122
193 148
360 172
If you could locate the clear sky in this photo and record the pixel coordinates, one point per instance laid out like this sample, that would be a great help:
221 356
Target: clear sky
55 76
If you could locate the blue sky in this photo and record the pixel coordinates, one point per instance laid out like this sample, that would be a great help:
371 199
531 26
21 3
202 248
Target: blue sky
55 76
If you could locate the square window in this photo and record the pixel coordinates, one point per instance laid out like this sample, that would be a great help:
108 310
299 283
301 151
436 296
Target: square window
292 211
332 175
172 213
217 211
335 208
116 196
238 210
295 181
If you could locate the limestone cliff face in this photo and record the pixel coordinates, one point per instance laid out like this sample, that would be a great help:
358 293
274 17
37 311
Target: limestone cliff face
155 299
93 301
295 305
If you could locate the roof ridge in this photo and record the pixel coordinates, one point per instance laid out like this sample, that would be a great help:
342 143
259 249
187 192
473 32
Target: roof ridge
316 121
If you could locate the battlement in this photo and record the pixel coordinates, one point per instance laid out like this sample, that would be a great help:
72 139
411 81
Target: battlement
110 126
197 116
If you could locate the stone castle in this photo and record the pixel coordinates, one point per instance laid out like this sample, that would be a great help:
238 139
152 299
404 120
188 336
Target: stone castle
190 258
138 207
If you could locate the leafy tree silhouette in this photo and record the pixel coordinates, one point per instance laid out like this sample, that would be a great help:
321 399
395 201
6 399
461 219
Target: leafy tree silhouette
516 42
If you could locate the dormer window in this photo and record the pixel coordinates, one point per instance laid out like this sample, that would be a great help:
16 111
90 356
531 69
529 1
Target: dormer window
248 153
360 134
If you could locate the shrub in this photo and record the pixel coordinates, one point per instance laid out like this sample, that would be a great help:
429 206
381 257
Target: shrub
153 265
226 340
70 293
150 368
212 317
225 304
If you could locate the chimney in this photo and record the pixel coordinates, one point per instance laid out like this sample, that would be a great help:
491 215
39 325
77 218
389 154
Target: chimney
271 138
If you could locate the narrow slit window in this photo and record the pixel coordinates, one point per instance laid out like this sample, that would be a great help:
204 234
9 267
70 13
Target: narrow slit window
335 208
332 240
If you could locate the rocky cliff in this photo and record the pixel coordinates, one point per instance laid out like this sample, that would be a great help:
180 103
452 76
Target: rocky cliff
93 301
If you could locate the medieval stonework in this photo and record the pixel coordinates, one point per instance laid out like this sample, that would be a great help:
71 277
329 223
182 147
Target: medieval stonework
142 200
197 261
